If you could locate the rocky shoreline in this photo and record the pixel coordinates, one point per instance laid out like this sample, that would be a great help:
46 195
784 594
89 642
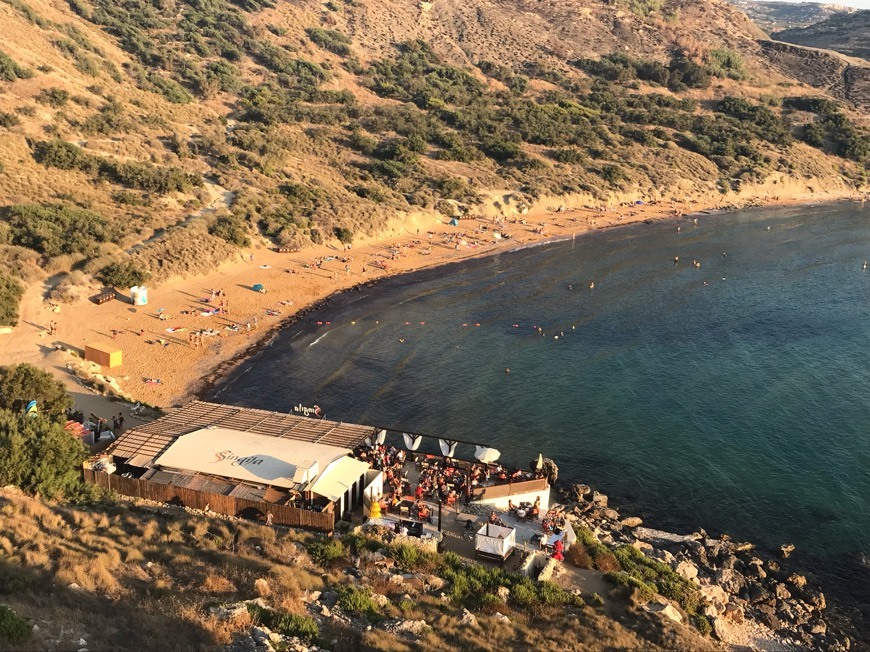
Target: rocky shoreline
738 582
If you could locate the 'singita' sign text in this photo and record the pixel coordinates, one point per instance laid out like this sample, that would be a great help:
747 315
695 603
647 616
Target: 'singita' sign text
315 411
237 460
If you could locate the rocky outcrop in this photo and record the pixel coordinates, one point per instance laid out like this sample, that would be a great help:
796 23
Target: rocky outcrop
843 77
742 591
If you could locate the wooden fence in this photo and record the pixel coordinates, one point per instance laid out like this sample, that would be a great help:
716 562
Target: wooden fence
228 505
510 489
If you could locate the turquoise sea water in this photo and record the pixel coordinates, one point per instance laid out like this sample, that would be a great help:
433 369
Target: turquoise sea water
742 406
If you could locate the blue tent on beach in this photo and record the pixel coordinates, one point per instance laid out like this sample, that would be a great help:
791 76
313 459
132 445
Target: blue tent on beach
454 222
258 287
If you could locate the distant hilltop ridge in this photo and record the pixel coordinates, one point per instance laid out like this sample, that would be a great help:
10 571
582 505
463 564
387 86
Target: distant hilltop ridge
145 141
772 16
845 33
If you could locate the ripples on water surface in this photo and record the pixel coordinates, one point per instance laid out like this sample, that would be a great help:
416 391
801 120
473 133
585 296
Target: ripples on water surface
741 406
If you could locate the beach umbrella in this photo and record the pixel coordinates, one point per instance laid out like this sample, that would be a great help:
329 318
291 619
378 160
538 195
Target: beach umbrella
382 437
486 454
412 442
448 447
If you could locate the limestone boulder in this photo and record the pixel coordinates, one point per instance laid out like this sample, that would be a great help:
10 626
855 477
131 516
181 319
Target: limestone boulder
467 618
665 610
686 569
781 592
797 581
730 580
631 522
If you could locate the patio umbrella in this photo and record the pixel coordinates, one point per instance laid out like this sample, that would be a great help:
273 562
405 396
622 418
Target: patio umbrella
412 442
540 463
486 454
447 446
382 436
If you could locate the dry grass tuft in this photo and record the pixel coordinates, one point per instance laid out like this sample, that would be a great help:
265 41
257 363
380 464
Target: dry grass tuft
217 584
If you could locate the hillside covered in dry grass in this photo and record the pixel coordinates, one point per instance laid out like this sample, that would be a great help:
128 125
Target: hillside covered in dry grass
151 139
127 577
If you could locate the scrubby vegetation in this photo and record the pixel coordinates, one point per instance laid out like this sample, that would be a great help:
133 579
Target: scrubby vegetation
133 174
11 292
55 229
322 145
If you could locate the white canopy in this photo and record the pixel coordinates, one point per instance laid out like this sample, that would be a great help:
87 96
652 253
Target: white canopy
338 477
246 456
495 540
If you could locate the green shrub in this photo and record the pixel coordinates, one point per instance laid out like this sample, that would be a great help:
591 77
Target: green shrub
295 625
55 229
524 594
9 120
10 71
39 456
570 156
326 551
13 628
344 235
645 591
169 89
724 62
329 39
702 623
64 156
231 228
685 73
122 275
111 119
11 292
29 13
356 600
22 383
53 97
287 624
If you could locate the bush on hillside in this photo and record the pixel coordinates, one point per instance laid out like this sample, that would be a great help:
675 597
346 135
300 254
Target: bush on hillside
329 39
231 228
22 383
39 456
122 275
53 97
11 292
344 234
13 628
10 71
55 229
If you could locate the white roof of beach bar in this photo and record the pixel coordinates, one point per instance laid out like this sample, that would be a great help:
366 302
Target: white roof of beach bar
261 459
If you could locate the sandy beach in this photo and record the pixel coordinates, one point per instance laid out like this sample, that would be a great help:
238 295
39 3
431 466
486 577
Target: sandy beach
165 362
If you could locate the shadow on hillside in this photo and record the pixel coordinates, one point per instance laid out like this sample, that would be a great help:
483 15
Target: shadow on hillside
64 615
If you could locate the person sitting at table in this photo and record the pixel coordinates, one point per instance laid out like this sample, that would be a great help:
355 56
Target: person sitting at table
424 514
535 511
395 501
418 492
511 506
493 517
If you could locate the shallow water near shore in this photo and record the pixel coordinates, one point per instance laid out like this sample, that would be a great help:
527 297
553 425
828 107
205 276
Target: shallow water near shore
741 405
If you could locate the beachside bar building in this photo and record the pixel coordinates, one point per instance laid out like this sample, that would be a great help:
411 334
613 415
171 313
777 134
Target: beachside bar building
242 462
